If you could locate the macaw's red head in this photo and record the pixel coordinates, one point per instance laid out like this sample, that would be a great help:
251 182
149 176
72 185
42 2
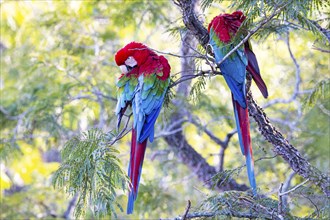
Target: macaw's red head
226 25
132 55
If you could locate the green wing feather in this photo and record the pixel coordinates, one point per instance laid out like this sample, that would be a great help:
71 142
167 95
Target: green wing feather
126 89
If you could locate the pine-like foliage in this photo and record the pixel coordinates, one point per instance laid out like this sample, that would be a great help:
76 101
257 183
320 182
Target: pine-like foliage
197 88
238 204
169 95
321 91
225 176
91 171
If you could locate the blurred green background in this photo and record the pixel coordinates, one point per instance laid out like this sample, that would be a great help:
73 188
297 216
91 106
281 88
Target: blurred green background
58 79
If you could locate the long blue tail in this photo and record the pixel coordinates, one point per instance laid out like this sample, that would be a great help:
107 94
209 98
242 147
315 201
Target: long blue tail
130 203
243 130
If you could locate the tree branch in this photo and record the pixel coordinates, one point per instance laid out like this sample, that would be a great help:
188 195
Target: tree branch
283 148
222 143
293 189
187 77
187 210
296 91
324 31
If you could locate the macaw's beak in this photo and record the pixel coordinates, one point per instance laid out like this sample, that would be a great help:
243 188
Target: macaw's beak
130 63
123 69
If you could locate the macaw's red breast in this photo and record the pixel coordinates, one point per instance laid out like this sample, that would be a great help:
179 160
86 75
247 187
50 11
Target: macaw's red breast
226 25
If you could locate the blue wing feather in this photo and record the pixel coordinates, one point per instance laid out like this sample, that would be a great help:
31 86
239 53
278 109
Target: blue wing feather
146 108
148 127
237 89
233 68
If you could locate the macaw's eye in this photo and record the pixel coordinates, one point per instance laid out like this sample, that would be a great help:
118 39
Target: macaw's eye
129 68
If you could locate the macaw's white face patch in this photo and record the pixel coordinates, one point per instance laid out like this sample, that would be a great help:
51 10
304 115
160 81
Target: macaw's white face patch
131 62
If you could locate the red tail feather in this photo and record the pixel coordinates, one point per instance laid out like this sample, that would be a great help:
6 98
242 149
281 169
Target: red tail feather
138 162
135 168
131 162
244 126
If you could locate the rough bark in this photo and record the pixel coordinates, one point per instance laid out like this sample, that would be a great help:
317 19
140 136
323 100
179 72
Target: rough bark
281 146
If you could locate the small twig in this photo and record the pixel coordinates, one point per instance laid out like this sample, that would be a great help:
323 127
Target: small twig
208 132
172 129
123 132
320 49
99 93
286 187
176 124
325 32
280 203
78 97
296 91
167 133
184 217
192 76
198 215
265 158
294 188
223 149
176 55
323 109
311 201
158 153
222 143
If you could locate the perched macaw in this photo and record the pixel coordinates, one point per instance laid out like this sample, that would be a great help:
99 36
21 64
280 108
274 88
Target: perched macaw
142 85
222 30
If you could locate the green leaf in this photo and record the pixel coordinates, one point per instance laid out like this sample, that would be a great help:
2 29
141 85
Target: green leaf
91 170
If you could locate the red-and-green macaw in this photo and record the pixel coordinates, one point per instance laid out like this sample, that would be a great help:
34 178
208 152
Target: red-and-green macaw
142 85
222 30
